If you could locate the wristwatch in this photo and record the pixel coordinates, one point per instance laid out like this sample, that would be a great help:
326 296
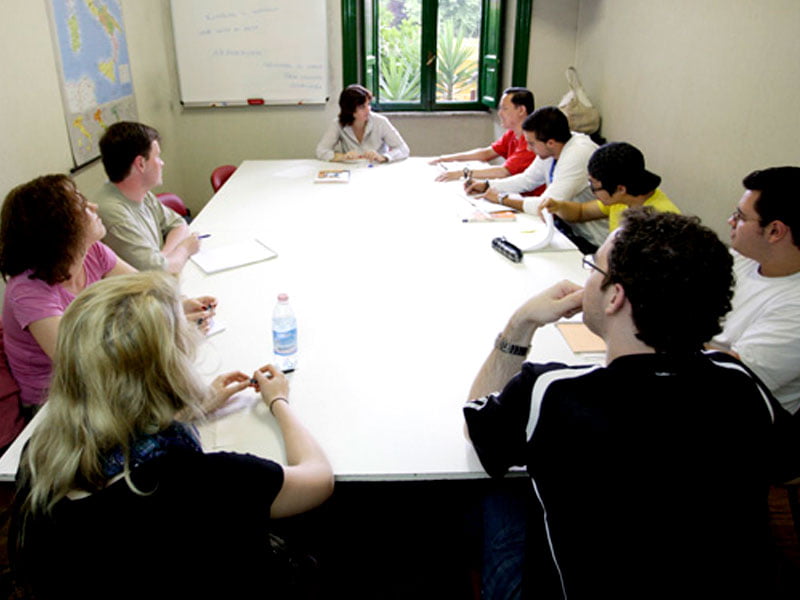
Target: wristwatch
508 348
501 198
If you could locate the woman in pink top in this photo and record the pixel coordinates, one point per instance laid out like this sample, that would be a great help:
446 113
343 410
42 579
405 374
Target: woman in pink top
50 248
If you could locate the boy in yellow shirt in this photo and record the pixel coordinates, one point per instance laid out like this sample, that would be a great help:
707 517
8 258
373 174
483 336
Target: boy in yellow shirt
619 180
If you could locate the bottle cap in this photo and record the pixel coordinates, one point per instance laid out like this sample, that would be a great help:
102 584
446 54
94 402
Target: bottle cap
283 297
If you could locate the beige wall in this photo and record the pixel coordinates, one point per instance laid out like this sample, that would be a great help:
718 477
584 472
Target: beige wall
553 40
34 134
196 140
707 89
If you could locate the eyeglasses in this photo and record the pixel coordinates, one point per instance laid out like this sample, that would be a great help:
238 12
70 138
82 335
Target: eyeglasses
595 189
738 215
588 263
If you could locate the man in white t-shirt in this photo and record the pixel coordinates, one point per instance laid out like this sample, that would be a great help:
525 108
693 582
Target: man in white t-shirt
763 328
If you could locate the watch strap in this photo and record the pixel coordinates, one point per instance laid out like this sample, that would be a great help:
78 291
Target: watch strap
508 348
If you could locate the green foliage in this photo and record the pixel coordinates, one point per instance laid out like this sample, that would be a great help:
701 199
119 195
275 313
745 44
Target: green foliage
400 47
456 66
399 61
465 15
399 81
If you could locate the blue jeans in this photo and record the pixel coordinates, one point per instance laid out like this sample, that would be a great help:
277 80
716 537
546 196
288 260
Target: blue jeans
505 522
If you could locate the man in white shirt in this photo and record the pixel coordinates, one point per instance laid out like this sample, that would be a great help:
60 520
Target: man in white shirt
763 328
562 157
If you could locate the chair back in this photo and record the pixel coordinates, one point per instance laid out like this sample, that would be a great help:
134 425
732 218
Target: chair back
174 202
220 175
12 421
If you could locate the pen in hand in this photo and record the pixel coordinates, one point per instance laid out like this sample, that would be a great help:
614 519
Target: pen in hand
268 376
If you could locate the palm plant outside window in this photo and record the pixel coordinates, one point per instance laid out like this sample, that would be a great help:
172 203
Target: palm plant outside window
432 55
402 47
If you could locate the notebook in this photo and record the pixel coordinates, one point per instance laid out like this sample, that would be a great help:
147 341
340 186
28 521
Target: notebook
221 258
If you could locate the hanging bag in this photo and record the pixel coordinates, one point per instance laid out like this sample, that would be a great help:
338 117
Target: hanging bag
583 117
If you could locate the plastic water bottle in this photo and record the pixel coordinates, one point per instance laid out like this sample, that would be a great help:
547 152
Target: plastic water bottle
284 334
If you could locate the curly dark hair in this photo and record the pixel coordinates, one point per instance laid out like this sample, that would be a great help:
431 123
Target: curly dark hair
41 228
122 143
350 99
677 275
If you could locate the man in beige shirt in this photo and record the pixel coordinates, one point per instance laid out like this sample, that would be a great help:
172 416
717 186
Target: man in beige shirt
141 230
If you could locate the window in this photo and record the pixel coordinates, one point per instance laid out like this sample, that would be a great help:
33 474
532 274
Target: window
429 54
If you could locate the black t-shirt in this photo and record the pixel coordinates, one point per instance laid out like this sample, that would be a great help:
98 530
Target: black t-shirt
199 528
651 473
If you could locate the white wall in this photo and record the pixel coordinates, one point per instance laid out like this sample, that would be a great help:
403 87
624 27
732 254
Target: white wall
553 41
34 134
197 140
707 89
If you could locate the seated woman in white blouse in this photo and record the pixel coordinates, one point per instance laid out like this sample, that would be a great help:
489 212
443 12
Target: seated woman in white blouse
360 134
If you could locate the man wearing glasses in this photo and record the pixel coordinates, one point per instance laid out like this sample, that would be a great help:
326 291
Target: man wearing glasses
763 328
624 458
619 180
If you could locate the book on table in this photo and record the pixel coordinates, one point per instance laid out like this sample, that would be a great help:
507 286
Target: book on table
333 176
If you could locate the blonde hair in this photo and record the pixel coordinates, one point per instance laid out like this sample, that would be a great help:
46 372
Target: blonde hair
122 368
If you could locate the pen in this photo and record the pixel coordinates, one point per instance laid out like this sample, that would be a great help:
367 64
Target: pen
203 236
268 376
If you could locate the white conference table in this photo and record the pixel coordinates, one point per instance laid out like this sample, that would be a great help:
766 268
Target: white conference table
398 303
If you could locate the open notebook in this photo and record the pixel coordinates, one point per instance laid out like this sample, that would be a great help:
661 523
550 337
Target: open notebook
213 260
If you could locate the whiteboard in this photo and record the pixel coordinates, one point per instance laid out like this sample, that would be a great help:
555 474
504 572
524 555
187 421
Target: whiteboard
230 52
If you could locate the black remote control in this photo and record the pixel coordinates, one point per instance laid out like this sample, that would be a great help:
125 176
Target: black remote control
507 249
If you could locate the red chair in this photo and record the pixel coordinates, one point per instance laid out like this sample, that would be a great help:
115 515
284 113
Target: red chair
12 421
220 175
174 202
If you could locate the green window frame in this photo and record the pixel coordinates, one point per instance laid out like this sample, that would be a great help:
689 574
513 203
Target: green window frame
360 53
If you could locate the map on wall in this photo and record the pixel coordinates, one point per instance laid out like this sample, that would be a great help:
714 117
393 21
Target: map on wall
96 86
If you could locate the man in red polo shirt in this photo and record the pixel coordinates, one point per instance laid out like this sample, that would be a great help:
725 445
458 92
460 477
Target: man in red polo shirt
515 105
